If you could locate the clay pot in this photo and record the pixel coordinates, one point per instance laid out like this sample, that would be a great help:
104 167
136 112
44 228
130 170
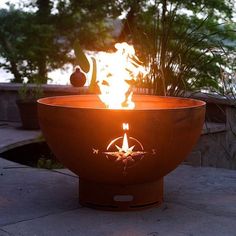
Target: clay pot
87 138
78 78
28 114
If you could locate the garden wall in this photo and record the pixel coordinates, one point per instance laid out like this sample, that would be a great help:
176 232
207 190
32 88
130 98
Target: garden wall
9 94
216 146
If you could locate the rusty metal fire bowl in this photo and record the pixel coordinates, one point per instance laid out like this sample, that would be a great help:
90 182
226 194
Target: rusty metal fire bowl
121 156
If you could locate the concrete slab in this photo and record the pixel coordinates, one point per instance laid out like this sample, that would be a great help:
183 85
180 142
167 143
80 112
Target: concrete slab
12 135
26 193
176 220
198 201
203 188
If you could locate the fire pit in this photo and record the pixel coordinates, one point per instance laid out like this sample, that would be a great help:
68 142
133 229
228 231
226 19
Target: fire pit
121 156
120 148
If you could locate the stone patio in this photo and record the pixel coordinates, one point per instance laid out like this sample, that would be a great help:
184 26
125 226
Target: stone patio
198 201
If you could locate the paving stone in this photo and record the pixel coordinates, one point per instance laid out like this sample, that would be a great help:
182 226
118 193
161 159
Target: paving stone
27 193
199 201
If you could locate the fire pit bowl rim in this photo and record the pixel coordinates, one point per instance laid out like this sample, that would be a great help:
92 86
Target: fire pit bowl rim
55 102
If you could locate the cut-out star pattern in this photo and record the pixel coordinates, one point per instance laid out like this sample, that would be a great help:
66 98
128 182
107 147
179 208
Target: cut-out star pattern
125 155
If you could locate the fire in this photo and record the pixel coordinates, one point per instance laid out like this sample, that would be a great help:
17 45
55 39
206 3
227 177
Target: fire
125 144
125 149
121 70
125 126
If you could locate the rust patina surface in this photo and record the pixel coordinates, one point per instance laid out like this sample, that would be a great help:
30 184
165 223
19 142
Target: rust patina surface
121 156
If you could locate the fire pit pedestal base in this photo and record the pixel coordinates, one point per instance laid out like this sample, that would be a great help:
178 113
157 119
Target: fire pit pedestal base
120 197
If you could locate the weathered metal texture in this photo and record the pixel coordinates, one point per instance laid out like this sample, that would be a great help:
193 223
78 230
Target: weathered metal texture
87 138
120 197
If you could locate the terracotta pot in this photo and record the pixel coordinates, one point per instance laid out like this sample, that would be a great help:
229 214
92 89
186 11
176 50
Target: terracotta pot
28 114
87 138
78 78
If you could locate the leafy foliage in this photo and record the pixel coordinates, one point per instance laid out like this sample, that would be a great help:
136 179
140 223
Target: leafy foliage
35 43
81 57
30 49
12 25
182 41
30 94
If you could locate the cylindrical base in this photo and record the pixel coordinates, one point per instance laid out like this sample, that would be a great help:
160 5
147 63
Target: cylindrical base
120 197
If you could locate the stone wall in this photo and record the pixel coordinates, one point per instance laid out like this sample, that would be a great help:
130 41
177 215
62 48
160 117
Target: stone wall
216 146
9 94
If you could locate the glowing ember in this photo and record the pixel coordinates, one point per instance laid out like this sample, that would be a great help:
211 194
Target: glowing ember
121 71
125 145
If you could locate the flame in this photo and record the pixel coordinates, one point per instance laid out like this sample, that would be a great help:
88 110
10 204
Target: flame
125 126
125 145
121 70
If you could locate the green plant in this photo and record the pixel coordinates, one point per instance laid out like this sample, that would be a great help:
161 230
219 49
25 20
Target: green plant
37 91
83 62
23 92
38 37
180 42
48 163
40 138
30 94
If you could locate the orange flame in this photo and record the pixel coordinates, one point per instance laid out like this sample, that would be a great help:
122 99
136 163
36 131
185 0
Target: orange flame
125 144
120 72
125 126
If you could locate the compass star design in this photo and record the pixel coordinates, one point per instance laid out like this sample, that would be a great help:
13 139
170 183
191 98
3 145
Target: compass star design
125 153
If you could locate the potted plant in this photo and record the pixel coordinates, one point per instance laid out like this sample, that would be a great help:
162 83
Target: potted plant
27 105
